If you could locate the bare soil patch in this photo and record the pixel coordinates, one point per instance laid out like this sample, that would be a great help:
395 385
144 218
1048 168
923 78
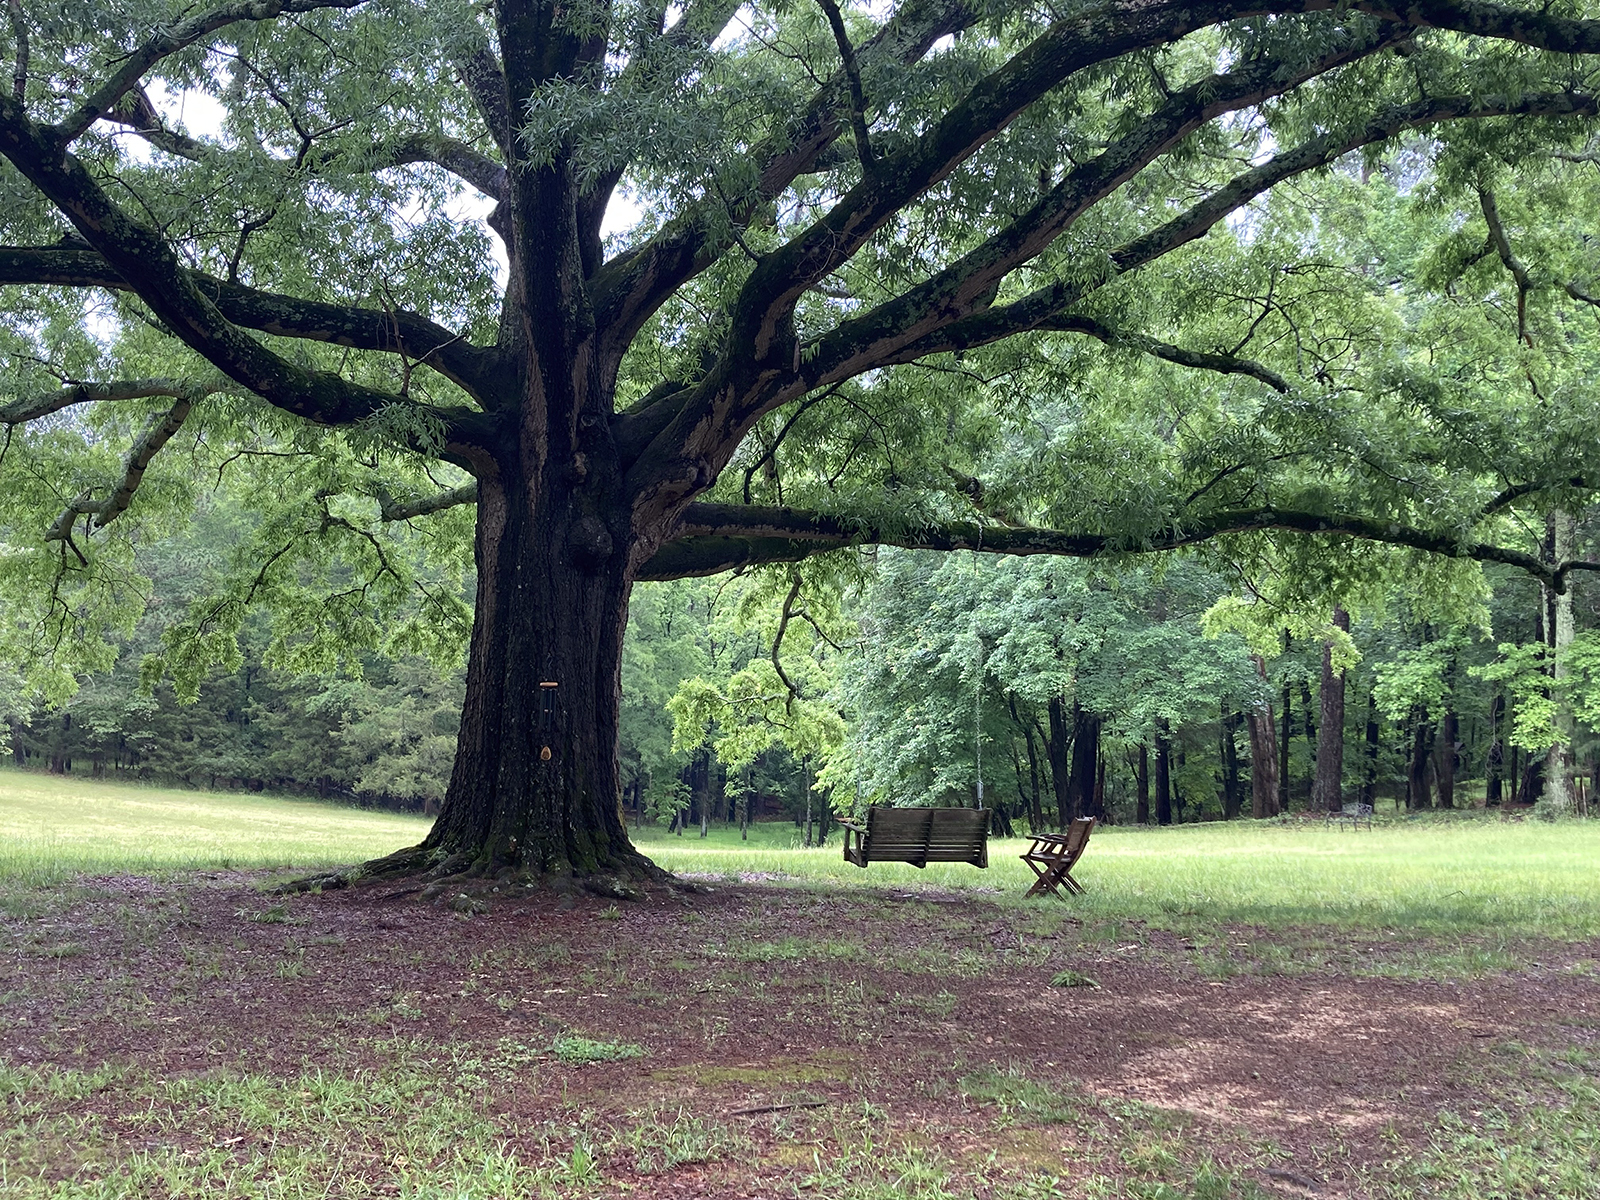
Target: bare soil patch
791 1021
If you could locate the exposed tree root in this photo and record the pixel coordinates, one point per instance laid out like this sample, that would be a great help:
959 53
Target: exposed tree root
468 883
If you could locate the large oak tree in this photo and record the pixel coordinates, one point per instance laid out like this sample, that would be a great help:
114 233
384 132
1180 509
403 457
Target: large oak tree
830 202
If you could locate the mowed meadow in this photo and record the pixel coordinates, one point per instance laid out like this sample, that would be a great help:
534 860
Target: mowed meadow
1457 873
52 826
1400 1013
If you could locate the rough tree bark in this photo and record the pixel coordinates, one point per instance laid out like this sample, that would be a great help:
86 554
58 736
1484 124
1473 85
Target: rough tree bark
1327 788
1445 769
1417 789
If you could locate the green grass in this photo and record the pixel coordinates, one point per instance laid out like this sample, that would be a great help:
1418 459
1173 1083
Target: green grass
1458 896
581 1051
1428 877
1432 877
52 827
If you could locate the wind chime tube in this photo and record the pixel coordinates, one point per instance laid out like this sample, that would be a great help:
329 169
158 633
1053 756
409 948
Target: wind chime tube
547 699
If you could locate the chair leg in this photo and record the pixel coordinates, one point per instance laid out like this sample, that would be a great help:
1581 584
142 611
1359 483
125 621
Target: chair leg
1041 879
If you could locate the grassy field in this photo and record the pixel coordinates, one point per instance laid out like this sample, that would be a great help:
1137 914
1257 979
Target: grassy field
195 1037
1429 876
52 826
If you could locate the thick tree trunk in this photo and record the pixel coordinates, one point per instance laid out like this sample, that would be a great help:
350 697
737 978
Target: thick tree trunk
1417 791
1530 786
1263 755
1328 785
535 792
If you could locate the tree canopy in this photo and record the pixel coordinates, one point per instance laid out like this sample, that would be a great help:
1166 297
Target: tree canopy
1307 282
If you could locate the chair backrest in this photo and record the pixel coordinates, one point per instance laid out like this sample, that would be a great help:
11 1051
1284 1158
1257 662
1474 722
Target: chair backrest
1078 837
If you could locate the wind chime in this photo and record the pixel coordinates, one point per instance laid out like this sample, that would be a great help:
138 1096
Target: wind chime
547 717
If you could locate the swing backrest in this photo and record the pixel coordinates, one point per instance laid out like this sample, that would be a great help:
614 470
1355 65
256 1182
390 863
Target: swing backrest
925 835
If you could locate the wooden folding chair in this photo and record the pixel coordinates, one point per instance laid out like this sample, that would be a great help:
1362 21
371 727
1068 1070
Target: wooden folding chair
1052 857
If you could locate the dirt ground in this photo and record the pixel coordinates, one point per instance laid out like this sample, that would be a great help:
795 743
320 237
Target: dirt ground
933 1015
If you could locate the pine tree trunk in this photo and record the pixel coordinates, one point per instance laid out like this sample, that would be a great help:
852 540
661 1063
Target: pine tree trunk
1085 760
1141 812
1163 776
1445 768
1060 772
1263 755
1230 766
1558 799
1328 785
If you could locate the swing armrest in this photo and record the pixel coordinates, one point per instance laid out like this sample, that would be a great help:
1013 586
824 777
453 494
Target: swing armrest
850 825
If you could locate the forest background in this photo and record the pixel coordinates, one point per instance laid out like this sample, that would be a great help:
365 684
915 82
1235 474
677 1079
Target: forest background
1110 688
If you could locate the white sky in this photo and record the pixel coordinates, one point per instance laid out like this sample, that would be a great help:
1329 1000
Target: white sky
202 116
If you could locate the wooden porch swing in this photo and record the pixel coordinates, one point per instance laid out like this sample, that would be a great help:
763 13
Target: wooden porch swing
919 836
